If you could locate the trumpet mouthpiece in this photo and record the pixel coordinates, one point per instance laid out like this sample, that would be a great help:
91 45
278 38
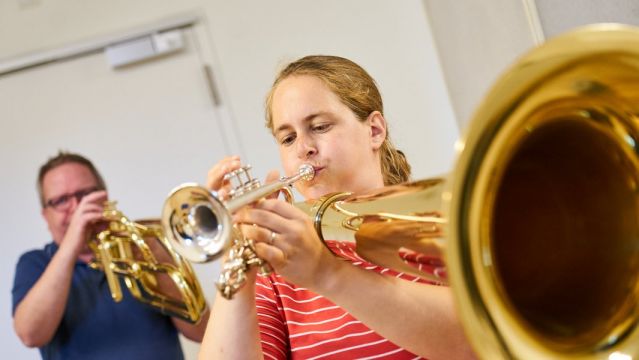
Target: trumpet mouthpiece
307 172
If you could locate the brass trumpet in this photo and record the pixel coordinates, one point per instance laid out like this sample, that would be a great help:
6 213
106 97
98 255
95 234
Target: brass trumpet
198 223
154 273
538 223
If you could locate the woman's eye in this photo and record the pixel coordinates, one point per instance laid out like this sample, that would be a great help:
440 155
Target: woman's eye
287 140
321 127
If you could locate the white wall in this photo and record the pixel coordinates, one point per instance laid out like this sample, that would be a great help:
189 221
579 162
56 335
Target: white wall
245 42
477 41
558 17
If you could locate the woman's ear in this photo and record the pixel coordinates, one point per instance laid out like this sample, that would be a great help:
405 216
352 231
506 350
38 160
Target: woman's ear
377 125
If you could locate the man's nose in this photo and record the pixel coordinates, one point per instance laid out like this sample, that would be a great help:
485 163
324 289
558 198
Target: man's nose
74 201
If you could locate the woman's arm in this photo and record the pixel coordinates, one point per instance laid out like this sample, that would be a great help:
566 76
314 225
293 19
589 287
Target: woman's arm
419 317
232 331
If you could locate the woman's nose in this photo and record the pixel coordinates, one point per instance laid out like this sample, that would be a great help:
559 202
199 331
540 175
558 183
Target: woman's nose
306 148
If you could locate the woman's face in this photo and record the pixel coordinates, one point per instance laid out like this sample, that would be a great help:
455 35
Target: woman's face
311 125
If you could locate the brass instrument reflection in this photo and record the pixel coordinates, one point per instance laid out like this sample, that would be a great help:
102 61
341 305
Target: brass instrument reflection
139 254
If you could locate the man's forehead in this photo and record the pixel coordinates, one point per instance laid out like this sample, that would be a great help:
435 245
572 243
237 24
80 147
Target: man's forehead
67 176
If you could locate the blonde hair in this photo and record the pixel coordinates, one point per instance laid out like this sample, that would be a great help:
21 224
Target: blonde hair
358 91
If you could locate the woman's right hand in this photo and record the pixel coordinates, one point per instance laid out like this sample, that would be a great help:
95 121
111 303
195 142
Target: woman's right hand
215 178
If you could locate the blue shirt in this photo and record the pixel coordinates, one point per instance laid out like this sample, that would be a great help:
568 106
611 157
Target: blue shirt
94 326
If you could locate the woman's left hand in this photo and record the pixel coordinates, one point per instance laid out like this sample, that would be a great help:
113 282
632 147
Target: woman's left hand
286 239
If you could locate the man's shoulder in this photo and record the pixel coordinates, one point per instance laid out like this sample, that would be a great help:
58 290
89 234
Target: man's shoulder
38 256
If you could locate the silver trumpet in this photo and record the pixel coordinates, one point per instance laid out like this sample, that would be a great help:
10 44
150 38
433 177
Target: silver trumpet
199 226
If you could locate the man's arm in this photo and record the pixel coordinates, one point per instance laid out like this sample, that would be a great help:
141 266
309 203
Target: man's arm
38 315
193 332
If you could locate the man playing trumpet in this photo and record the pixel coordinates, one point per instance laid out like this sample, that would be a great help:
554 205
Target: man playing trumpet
62 305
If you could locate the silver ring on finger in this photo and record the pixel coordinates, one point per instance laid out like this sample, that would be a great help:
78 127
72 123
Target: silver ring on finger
271 239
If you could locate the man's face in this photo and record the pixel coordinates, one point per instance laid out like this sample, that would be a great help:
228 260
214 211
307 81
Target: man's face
64 180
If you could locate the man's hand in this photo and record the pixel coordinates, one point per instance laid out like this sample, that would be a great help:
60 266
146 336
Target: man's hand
88 212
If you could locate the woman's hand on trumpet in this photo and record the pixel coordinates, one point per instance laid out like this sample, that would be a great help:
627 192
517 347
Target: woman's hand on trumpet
286 239
215 177
284 235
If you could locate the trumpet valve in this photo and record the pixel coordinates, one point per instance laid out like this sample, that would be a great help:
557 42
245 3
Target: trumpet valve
241 181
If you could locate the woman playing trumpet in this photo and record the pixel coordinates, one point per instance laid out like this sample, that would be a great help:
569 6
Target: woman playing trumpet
327 111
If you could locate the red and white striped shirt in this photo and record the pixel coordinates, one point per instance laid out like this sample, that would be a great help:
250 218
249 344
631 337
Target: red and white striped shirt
296 323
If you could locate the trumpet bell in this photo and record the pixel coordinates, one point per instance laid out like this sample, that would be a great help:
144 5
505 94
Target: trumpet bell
543 204
197 223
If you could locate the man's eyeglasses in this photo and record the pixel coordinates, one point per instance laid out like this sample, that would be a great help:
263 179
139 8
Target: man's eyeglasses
63 202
